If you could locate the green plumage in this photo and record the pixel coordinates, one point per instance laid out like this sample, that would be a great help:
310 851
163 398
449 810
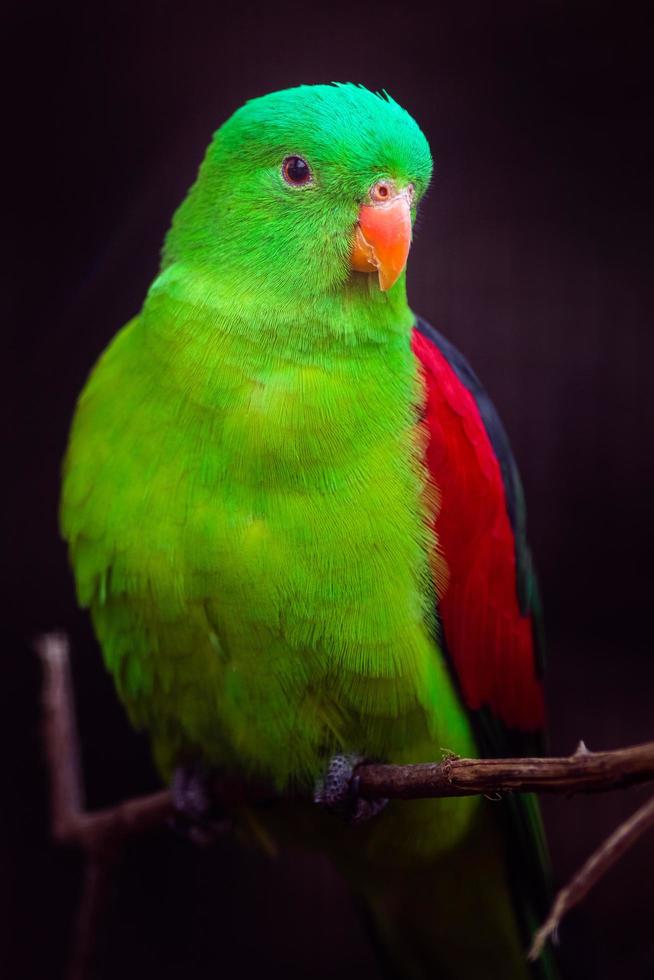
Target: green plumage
247 513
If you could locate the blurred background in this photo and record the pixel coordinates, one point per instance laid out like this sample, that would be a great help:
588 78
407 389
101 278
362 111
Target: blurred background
533 254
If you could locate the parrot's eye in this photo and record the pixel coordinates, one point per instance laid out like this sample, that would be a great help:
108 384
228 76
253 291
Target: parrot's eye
296 171
381 191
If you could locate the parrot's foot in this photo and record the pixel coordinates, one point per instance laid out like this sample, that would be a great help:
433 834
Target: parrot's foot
338 791
196 815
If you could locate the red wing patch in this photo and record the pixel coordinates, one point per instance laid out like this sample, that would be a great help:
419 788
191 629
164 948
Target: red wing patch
490 642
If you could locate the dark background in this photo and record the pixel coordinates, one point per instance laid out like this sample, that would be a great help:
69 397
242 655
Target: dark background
533 254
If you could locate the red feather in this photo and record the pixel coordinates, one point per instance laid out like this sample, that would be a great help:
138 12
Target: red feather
490 642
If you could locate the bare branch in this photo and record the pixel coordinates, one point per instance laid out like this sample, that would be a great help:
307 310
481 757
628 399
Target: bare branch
595 868
60 734
582 772
101 833
71 823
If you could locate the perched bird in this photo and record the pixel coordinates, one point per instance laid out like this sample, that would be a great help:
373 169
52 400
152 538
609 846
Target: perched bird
295 518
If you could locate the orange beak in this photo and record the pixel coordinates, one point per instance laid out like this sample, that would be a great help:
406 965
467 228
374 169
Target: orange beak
382 239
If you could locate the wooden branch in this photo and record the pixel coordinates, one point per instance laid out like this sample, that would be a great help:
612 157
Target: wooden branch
590 873
60 735
582 772
71 823
102 832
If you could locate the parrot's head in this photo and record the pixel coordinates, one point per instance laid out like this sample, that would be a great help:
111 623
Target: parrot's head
308 191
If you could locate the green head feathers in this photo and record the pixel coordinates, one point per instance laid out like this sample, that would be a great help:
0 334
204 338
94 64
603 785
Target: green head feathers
245 225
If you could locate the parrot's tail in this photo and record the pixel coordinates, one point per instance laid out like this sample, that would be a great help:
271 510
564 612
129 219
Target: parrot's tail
453 918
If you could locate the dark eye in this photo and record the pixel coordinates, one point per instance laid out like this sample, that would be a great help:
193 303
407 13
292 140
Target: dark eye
296 171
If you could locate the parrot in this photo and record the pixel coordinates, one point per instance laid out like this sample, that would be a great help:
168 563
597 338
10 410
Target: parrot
294 516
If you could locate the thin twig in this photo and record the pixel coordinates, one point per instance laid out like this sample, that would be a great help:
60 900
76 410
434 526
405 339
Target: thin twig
590 873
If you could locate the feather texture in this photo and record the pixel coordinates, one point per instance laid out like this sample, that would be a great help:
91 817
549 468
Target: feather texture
260 524
489 637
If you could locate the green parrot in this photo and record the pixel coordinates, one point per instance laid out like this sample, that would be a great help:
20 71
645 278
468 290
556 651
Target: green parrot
295 518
